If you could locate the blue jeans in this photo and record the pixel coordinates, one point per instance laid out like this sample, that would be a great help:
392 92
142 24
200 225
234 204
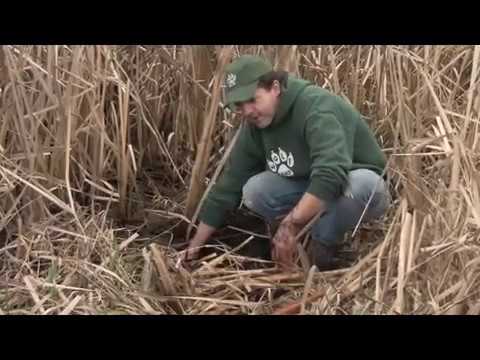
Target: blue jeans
271 196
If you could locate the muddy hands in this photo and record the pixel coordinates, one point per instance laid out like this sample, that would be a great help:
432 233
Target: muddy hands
284 244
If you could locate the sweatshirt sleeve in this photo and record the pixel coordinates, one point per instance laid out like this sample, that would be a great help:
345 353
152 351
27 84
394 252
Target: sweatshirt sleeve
244 162
329 153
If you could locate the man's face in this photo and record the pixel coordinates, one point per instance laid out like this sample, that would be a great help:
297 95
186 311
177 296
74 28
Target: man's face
260 110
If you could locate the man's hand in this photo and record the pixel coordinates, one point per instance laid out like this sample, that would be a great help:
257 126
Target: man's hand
204 232
284 244
190 253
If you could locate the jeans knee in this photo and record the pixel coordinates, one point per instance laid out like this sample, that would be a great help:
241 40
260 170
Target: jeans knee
362 183
253 192
367 187
271 195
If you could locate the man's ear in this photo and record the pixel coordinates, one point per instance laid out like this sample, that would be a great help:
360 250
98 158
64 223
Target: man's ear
277 87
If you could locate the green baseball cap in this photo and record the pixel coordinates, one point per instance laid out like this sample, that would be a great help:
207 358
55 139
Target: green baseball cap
241 78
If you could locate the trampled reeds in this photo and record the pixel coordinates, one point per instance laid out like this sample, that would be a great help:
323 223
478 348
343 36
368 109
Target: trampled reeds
98 145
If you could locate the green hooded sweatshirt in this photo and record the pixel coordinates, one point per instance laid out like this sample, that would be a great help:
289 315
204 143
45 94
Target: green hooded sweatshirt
314 135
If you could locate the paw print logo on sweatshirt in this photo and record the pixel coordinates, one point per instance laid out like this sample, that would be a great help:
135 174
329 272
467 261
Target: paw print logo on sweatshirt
281 162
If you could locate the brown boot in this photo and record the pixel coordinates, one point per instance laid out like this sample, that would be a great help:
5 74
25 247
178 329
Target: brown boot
324 257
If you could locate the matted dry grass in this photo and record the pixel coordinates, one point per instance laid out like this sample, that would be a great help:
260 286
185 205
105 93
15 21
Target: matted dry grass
106 152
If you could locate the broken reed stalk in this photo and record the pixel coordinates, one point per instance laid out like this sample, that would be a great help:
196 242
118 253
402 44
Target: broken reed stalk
204 149
212 182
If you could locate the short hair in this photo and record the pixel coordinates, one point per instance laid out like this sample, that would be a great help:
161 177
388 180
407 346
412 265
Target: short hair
266 81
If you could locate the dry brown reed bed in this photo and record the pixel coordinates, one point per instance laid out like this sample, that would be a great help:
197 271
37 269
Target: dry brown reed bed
106 152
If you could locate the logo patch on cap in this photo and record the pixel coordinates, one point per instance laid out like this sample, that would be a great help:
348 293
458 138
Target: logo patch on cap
231 80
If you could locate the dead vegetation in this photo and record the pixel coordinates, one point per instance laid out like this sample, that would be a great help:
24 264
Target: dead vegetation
105 153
